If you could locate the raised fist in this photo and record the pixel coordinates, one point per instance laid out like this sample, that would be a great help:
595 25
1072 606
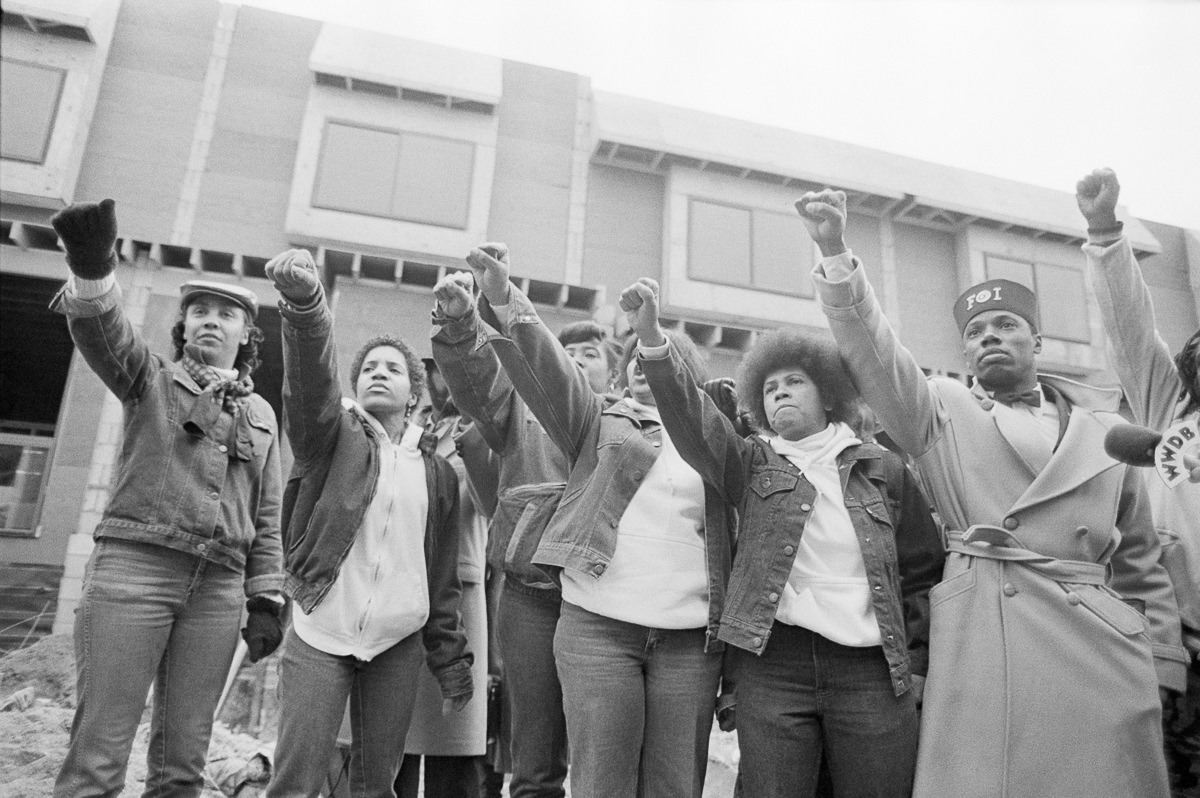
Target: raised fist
1096 196
824 214
489 264
294 274
453 294
89 232
640 303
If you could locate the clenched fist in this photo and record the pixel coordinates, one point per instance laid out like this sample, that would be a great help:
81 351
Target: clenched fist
453 295
294 274
489 264
640 303
89 232
1096 196
824 214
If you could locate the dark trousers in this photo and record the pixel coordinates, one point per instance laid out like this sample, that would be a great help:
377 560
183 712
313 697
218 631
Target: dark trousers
445 776
525 629
807 696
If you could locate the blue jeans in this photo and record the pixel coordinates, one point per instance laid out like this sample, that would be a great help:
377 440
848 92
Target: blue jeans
313 690
148 615
807 694
526 621
639 704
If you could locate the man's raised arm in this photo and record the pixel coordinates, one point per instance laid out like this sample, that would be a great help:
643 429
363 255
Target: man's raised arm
886 374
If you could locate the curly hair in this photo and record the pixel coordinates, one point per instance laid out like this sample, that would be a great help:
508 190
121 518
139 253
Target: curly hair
578 332
416 369
247 354
816 354
1186 361
684 345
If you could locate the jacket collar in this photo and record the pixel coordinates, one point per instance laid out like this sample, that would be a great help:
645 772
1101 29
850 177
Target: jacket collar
616 405
1077 458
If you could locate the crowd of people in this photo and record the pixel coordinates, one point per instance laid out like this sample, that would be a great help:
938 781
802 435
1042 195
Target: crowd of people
537 554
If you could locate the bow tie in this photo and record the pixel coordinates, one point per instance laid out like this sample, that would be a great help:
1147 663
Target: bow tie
1033 398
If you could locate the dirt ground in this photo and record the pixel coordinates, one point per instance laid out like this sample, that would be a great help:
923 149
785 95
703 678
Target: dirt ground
34 727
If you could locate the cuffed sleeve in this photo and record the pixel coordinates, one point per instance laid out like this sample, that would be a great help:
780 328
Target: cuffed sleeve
264 561
1138 574
443 635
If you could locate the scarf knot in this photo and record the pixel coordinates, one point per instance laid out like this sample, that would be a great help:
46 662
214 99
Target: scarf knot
219 392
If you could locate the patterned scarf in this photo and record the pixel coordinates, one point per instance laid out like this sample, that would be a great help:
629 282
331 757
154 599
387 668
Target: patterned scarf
219 393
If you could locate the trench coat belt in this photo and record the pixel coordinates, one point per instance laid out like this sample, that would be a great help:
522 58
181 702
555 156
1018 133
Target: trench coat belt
996 543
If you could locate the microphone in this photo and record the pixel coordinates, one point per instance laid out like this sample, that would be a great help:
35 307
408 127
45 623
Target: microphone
1132 445
1173 453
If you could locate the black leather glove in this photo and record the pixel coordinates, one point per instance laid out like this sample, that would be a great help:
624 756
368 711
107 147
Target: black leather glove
263 631
89 232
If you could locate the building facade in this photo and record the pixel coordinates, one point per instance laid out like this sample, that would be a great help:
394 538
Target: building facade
227 134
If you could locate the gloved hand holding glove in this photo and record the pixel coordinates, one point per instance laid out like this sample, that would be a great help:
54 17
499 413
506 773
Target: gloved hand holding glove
263 631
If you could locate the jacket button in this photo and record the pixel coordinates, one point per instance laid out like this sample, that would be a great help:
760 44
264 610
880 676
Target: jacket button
756 642
613 523
879 587
222 448
637 476
1011 523
202 547
772 597
806 507
599 569
214 495
657 444
1073 599
1010 589
789 550
766 482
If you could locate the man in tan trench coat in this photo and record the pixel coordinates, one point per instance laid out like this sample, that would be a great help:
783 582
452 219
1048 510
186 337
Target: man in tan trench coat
1055 625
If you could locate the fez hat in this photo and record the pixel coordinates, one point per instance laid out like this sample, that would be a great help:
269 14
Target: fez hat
996 295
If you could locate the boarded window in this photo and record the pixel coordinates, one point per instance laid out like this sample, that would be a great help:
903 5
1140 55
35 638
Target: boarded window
783 254
718 243
1062 299
29 96
750 248
398 175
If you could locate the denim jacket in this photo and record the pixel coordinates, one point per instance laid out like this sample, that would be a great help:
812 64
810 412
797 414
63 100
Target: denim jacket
176 487
610 448
333 482
901 547
532 469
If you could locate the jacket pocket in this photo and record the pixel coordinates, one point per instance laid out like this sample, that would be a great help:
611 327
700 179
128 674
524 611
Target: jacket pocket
1110 608
768 482
521 518
262 430
954 586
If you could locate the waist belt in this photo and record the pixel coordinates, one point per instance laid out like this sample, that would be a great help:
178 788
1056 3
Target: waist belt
996 543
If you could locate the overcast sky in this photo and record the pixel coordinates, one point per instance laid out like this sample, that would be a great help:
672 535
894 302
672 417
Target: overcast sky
1039 91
